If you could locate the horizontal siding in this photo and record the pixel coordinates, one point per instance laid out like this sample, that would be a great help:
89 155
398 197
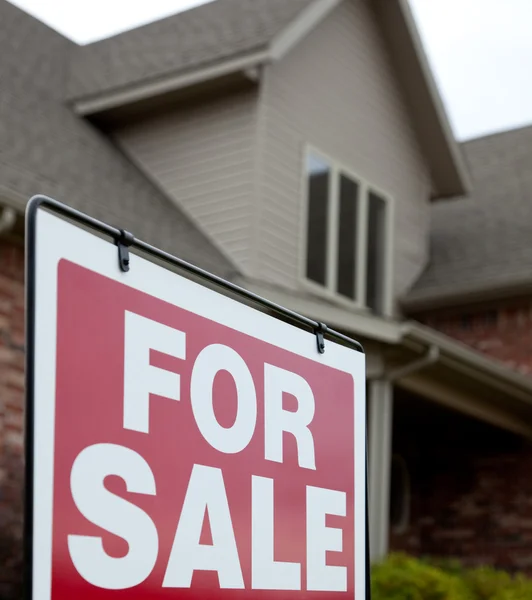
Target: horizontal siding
203 157
337 92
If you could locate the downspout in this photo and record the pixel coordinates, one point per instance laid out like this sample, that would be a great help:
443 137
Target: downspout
8 216
380 449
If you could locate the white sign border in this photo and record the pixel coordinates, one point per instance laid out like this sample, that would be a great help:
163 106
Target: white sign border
57 239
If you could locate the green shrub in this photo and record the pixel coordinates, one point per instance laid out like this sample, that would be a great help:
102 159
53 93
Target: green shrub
401 577
519 589
487 583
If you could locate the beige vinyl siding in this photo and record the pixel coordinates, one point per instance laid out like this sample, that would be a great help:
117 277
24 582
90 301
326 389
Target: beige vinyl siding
203 157
337 92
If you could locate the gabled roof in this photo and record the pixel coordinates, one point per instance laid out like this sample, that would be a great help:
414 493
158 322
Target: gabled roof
481 246
229 37
45 148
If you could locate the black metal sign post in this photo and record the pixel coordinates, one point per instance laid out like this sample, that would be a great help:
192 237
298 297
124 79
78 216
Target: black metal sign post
125 242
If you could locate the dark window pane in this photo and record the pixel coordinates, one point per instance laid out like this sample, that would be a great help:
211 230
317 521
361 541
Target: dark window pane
347 228
318 203
375 273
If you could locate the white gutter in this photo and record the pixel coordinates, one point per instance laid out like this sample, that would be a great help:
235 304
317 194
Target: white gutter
468 361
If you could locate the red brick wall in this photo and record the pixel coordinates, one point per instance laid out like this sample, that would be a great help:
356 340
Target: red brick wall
502 331
471 490
474 500
11 416
485 520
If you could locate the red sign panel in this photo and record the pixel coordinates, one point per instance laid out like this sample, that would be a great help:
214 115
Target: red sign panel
191 459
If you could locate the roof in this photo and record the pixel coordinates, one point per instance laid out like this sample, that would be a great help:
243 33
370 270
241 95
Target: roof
46 149
230 37
208 34
481 246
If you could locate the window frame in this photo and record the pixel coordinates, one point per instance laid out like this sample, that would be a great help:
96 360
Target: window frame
329 290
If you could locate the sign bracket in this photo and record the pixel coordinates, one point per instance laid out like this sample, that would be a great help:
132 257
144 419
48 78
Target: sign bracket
321 330
124 241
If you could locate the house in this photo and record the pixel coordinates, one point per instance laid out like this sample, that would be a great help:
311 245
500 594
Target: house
300 149
476 289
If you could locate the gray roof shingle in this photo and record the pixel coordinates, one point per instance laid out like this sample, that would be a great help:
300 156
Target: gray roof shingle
483 242
45 148
205 35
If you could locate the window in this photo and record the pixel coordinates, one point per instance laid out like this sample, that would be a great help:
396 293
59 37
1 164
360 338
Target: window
346 235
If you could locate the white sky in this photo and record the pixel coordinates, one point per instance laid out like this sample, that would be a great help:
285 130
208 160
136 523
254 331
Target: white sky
480 50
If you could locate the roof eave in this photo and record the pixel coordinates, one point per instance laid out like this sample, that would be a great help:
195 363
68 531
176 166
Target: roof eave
116 98
279 46
472 361
449 173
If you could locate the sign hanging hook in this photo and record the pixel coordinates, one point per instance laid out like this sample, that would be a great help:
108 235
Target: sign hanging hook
321 330
124 241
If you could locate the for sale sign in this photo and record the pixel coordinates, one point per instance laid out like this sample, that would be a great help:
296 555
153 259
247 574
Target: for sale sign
182 444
